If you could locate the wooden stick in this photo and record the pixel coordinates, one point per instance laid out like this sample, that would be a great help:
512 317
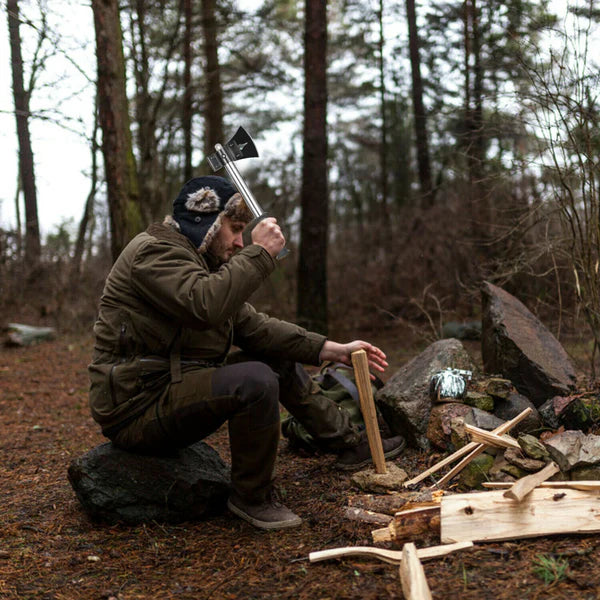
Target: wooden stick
393 557
567 485
523 486
488 516
367 405
366 516
482 436
412 575
481 447
409 524
466 449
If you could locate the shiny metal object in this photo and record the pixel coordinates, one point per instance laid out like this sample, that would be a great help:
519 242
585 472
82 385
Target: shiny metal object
449 383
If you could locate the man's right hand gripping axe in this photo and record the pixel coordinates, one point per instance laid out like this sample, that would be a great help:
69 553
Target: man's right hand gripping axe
238 147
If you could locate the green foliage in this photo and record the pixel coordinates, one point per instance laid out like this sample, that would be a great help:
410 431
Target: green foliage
550 568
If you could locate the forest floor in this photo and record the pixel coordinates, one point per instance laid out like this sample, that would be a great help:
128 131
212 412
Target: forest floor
50 550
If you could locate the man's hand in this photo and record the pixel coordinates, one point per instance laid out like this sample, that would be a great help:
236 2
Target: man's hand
342 353
268 234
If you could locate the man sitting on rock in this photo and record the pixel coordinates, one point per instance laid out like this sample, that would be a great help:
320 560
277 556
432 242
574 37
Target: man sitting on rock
163 375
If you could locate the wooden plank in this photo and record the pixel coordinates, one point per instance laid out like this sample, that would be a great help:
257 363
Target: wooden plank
482 436
569 485
489 516
393 557
466 449
367 405
412 575
409 524
523 486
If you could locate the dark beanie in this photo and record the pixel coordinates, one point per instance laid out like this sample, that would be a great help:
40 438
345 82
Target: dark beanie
199 205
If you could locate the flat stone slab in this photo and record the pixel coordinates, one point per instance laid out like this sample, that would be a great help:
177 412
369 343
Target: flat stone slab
117 486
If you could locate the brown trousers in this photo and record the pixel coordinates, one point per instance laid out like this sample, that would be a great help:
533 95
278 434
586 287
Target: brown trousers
246 394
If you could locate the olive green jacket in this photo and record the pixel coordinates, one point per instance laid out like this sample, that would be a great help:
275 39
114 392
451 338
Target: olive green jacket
166 307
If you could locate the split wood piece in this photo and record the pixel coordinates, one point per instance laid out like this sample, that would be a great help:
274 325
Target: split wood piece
393 557
466 449
568 485
489 516
409 524
481 448
366 516
526 484
412 575
367 405
482 436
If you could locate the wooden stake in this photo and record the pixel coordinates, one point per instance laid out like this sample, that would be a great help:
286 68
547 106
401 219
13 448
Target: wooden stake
412 575
489 516
393 557
367 405
466 449
523 486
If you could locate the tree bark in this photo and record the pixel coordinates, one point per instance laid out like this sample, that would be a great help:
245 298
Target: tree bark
421 138
119 163
187 110
312 265
213 104
26 162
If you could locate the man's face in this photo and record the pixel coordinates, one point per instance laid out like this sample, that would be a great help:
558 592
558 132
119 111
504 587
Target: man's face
228 239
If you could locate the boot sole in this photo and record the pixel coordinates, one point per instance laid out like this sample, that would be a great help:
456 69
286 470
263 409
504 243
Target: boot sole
369 461
262 524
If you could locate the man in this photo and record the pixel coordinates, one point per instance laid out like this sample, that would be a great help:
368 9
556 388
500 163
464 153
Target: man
163 375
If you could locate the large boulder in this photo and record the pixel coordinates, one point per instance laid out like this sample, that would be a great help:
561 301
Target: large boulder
405 401
118 486
516 345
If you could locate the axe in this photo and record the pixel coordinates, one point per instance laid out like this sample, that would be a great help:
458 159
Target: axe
238 147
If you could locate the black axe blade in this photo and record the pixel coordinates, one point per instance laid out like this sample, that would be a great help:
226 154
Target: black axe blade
238 147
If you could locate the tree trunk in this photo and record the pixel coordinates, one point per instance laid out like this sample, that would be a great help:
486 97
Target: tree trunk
312 265
213 104
119 163
421 137
26 164
383 143
187 110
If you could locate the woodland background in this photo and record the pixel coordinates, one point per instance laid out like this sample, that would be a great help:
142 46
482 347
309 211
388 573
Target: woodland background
419 149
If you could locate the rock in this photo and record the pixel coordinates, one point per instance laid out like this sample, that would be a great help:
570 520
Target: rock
577 413
479 400
516 458
18 334
585 473
516 345
114 485
483 419
548 414
513 405
381 483
458 434
499 388
573 449
497 471
476 472
404 400
439 429
533 448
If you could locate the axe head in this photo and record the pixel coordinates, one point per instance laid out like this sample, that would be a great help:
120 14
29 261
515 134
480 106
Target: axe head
238 147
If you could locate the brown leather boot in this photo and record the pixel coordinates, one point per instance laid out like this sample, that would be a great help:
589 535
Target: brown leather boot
269 514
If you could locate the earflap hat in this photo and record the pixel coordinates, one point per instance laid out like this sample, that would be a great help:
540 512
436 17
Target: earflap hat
200 205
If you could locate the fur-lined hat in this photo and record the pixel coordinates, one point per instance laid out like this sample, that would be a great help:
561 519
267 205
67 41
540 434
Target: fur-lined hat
202 201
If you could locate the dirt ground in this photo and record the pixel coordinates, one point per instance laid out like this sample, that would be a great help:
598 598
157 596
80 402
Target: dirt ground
50 550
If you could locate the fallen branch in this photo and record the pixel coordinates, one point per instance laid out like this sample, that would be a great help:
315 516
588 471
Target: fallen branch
366 516
390 556
489 516
412 575
470 447
389 504
409 524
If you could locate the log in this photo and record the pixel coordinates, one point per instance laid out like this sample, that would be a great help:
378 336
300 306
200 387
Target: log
366 516
412 575
481 448
393 557
489 516
367 405
388 504
523 486
409 524
467 449
568 485
482 436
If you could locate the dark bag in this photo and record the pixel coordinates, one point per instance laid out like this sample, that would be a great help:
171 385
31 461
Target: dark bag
335 381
